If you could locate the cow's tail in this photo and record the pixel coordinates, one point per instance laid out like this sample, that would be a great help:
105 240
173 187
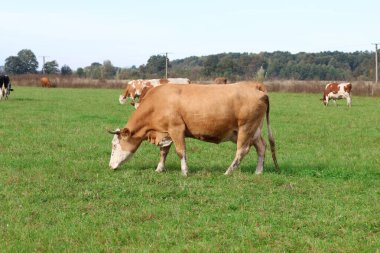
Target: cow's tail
270 137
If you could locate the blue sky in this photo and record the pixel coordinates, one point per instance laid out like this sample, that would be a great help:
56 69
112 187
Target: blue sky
78 33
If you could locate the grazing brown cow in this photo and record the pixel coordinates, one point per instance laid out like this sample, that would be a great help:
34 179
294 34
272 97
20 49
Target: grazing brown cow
220 80
45 82
222 113
336 91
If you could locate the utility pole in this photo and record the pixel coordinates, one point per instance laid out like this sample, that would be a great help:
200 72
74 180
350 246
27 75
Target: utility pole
166 66
376 70
43 63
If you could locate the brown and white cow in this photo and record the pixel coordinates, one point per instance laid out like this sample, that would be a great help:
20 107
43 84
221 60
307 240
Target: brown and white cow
210 113
135 88
45 82
336 91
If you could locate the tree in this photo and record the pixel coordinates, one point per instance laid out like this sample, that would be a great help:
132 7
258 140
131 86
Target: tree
25 62
156 65
94 71
51 67
66 70
80 72
210 65
14 65
29 60
108 70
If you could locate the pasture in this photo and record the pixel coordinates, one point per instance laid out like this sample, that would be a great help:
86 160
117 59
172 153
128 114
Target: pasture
57 193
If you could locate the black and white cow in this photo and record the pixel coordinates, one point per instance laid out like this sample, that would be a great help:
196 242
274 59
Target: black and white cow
5 86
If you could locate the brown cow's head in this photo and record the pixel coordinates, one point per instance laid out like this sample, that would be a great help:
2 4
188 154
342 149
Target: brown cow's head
124 144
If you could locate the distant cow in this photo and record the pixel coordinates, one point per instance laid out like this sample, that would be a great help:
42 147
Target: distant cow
5 87
336 91
257 85
220 80
178 80
222 113
45 82
135 88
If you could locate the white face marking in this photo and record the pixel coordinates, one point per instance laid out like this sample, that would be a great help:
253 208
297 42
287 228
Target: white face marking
118 155
122 99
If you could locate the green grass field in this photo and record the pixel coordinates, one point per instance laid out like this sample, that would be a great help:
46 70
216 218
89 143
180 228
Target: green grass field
57 193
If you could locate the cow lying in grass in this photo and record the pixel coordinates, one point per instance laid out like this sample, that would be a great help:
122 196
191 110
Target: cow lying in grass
211 113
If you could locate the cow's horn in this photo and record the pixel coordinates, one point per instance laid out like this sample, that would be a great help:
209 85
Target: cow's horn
117 131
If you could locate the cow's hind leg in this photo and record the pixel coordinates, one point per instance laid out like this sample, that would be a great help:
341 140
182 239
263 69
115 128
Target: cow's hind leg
243 146
178 137
240 153
163 154
260 146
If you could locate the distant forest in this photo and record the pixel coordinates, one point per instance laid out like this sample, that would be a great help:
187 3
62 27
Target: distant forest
234 66
277 65
280 65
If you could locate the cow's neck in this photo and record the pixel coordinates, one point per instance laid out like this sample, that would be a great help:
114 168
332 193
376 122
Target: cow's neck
138 124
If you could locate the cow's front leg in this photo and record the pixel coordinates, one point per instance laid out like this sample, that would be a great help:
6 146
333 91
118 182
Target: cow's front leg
349 101
163 154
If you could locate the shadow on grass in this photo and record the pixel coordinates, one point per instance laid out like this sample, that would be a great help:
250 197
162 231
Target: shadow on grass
319 170
23 99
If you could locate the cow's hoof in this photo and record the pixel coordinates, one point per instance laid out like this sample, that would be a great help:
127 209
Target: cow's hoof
160 168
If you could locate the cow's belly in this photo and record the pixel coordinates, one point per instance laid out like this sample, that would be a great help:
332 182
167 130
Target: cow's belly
338 95
213 137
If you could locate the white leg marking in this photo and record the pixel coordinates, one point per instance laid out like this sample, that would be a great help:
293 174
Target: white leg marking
349 101
184 168
260 165
160 167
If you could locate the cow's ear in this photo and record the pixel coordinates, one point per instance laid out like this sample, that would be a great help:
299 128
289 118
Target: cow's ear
124 133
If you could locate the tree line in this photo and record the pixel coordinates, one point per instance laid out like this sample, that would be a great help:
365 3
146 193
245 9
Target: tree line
234 66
